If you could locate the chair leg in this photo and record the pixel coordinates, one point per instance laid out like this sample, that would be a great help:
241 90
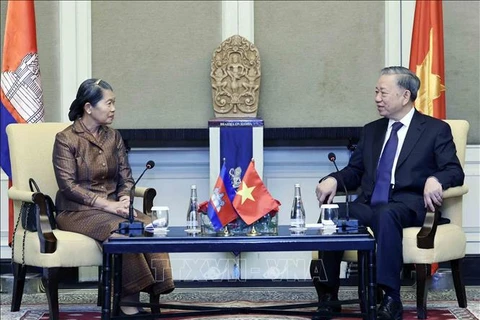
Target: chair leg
50 282
19 273
155 298
100 287
423 272
458 282
379 295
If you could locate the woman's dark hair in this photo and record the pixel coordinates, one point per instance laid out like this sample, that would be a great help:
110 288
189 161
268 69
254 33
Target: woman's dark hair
89 91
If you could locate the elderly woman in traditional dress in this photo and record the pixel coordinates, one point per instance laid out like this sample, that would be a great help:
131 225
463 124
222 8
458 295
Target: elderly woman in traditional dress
94 178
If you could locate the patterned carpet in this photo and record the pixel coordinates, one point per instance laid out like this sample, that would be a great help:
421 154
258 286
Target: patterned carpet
81 304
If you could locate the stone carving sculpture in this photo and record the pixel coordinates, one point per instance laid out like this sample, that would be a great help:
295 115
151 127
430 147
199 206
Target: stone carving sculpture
235 75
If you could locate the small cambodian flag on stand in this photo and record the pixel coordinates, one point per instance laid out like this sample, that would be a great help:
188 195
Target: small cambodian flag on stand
220 209
21 96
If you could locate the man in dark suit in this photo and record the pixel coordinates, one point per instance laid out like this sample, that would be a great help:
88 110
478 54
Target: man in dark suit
423 163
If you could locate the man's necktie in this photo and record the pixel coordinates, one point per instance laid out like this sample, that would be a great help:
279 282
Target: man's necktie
384 170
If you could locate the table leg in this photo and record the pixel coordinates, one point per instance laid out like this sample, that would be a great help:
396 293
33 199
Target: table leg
362 282
372 285
117 283
106 286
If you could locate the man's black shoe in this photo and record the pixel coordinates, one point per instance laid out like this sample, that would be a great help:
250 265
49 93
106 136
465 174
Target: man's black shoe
327 298
390 309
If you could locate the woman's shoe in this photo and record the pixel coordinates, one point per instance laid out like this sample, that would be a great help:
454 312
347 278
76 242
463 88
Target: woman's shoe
123 313
140 312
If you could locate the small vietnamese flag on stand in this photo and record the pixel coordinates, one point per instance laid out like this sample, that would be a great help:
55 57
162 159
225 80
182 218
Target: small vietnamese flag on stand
427 61
253 200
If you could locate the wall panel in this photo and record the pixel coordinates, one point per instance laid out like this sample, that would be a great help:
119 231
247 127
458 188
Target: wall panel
156 55
462 63
320 61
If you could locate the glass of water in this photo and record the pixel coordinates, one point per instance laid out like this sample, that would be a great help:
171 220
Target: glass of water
329 215
160 217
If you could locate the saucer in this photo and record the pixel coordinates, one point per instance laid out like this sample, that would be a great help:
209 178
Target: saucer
149 228
329 224
297 230
160 230
314 225
193 230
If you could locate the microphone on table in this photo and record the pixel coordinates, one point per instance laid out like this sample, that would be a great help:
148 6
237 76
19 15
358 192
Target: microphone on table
347 222
131 227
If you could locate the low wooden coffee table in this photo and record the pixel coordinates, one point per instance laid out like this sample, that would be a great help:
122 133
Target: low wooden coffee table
178 240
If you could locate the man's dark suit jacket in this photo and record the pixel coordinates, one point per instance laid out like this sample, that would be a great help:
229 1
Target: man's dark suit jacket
428 150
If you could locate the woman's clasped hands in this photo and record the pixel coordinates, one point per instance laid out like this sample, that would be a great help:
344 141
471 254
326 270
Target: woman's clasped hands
120 207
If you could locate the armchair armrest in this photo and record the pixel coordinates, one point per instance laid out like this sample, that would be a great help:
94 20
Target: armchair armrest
426 235
48 241
148 194
455 192
20 195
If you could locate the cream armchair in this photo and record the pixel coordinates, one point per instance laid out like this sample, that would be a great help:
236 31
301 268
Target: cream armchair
432 242
31 147
440 243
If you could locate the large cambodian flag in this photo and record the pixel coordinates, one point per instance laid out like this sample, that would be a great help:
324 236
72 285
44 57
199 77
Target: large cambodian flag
21 92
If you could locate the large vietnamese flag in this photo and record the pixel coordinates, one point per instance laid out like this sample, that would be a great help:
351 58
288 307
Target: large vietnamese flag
427 61
253 200
21 96
426 57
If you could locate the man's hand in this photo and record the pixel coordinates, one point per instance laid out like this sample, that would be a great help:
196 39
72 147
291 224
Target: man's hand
326 190
432 194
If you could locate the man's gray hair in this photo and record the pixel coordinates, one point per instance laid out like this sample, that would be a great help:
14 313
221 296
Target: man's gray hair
405 79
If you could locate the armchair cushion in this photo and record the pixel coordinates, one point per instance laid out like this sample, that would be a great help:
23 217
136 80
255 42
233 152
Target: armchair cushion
449 244
80 250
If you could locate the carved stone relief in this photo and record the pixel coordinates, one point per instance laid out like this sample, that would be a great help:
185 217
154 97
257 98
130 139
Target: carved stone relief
235 75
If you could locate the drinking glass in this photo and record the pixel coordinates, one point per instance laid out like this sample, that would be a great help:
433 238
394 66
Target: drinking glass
160 217
329 214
